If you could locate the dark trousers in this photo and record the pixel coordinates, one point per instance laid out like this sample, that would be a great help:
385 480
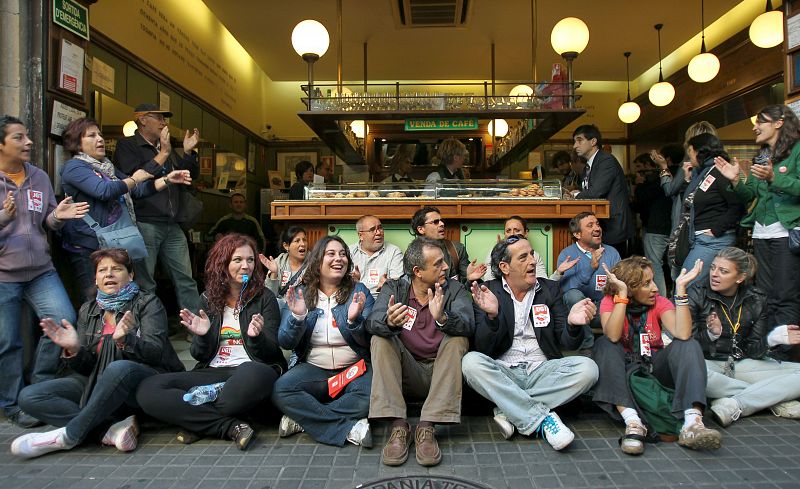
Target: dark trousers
246 386
680 366
778 275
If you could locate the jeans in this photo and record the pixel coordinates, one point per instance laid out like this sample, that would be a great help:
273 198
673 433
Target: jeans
526 399
654 247
779 275
572 297
756 384
47 297
57 402
705 248
166 243
302 394
83 274
246 387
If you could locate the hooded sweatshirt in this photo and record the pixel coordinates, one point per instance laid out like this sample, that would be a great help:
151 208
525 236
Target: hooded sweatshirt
24 250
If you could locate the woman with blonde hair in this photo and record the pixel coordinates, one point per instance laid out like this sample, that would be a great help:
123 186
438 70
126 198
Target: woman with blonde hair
452 155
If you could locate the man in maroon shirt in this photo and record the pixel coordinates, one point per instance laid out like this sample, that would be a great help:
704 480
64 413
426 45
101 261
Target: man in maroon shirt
420 326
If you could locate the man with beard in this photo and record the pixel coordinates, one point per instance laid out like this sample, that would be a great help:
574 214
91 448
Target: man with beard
587 278
420 326
521 325
374 260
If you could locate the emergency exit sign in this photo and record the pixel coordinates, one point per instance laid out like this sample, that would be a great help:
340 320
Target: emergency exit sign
72 16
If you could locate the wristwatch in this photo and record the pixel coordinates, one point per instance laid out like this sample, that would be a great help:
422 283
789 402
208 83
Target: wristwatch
665 173
444 320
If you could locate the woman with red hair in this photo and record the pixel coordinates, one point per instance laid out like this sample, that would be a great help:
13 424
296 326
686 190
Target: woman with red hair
235 344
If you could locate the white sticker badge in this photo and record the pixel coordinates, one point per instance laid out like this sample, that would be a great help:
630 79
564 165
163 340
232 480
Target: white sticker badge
411 316
541 315
285 275
373 276
709 180
599 282
35 201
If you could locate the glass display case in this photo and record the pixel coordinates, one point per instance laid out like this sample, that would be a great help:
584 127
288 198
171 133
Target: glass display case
461 189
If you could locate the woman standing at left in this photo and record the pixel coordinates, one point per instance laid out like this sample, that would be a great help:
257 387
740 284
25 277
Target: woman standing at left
26 269
90 177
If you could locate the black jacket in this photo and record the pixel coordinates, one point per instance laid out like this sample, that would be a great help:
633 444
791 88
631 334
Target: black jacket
493 337
147 343
263 348
753 327
135 152
607 181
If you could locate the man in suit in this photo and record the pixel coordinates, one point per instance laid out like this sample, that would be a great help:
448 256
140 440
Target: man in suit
604 179
521 326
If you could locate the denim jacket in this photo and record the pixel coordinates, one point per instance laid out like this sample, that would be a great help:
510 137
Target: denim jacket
295 334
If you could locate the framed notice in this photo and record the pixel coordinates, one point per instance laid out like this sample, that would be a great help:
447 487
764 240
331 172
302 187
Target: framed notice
206 167
70 77
287 162
275 179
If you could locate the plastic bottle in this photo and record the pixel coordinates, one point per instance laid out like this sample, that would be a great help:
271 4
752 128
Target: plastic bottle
202 394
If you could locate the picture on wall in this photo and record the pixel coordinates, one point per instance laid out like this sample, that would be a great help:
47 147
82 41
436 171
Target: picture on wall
275 179
287 162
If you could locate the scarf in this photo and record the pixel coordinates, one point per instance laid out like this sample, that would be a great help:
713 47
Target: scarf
107 168
114 302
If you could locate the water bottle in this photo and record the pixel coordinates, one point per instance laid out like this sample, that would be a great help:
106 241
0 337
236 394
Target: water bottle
202 394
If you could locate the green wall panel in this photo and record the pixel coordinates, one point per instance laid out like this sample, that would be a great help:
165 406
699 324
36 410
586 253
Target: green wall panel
210 130
192 117
141 88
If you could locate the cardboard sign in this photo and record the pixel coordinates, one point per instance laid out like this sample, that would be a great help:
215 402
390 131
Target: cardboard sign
340 380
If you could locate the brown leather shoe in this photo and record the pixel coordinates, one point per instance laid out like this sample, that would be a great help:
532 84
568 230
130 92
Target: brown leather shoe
428 453
396 450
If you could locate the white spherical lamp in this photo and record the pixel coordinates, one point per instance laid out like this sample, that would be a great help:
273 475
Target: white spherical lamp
128 129
359 128
309 37
629 112
521 91
661 93
766 31
569 35
498 127
703 67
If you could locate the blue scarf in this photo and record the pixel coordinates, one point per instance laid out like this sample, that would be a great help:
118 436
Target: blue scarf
114 302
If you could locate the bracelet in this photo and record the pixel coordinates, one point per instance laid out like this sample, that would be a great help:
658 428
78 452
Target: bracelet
681 302
621 300
683 297
166 182
55 216
665 173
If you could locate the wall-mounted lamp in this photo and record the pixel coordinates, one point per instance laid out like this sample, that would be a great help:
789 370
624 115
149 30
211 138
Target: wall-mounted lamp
766 31
310 40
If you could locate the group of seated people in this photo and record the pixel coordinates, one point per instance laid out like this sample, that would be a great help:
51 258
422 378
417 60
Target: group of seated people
368 327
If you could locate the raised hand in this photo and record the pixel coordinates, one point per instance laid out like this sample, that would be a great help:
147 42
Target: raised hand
269 263
181 177
687 170
659 159
190 140
396 314
685 278
124 326
166 145
356 274
763 172
475 270
198 324
295 301
485 299
67 209
256 325
64 336
582 312
382 281
567 264
9 205
728 170
596 255
622 287
356 307
436 303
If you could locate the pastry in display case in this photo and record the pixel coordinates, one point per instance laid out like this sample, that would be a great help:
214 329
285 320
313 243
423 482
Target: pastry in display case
461 189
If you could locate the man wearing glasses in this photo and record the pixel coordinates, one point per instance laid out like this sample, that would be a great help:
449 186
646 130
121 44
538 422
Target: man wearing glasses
428 222
150 149
521 325
374 260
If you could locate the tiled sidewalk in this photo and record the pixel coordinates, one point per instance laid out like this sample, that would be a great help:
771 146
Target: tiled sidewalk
761 451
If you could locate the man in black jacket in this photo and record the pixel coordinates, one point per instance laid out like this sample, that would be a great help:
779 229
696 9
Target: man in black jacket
428 222
604 179
157 215
521 326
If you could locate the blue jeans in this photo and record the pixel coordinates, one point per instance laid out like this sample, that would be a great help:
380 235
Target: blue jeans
706 248
756 384
166 243
654 247
526 399
572 297
57 402
48 299
302 394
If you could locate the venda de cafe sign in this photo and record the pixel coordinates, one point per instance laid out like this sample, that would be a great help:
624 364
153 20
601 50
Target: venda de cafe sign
442 124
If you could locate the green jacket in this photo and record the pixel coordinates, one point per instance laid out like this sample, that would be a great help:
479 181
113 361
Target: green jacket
783 193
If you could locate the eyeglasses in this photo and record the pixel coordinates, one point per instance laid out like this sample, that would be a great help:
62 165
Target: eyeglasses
372 230
158 117
435 222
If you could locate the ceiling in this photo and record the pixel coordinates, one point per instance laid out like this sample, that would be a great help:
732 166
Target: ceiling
263 28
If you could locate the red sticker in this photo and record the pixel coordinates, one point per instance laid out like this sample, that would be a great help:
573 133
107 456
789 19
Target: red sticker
782 169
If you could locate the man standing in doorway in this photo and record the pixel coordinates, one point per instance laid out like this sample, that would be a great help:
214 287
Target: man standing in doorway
150 149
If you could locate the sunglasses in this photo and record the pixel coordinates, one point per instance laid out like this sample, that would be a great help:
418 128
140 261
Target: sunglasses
435 222
513 239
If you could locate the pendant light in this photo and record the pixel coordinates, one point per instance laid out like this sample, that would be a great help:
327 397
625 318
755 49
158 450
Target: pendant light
705 66
766 31
661 93
629 111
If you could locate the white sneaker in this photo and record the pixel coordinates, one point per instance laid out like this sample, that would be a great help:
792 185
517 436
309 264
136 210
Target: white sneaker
506 428
556 432
288 427
123 435
360 434
37 444
725 410
787 409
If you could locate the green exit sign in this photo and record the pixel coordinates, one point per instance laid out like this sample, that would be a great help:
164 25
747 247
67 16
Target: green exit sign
446 124
72 16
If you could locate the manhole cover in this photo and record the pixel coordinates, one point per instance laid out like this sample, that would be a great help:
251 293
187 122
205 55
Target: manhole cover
422 482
